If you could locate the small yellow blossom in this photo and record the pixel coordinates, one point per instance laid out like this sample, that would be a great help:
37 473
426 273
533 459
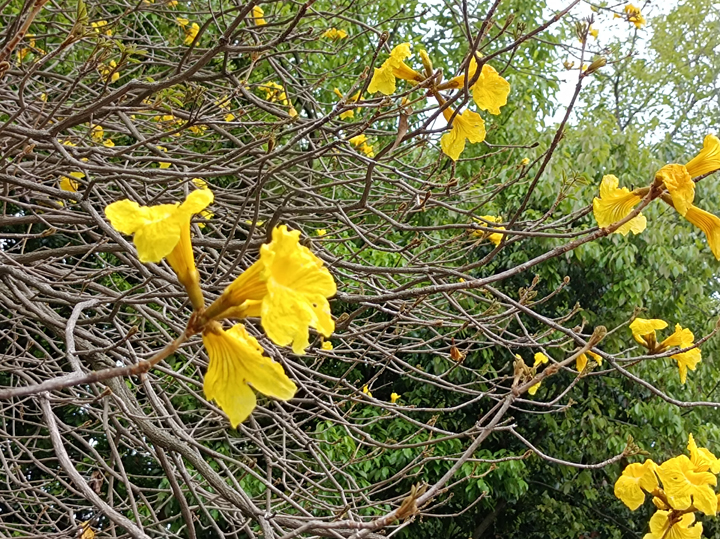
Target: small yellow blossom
164 231
466 126
182 21
634 16
358 140
163 164
634 479
68 184
97 133
191 33
258 16
494 237
172 3
335 34
533 389
287 288
525 161
200 183
326 345
354 99
490 91
709 224
100 28
644 333
197 129
615 204
394 397
594 32
582 360
540 359
321 232
109 72
383 79
708 160
679 183
664 526
366 391
367 149
685 486
207 215
237 363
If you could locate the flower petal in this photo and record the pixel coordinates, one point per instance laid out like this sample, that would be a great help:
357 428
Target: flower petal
678 182
708 160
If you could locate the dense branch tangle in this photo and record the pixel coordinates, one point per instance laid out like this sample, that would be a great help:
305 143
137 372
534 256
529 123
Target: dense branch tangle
148 456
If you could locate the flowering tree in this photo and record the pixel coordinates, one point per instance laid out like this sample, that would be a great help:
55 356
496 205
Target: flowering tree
291 270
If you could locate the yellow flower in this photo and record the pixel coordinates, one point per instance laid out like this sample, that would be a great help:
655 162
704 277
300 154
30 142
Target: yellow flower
665 526
108 143
367 149
229 117
394 397
99 28
236 363
68 184
335 34
191 33
287 288
709 224
634 16
702 458
525 161
109 72
540 359
358 140
533 389
274 93
172 3
258 16
685 486
207 215
708 160
366 391
97 133
87 531
679 184
200 183
582 360
383 79
644 331
683 338
634 479
326 345
182 21
164 231
615 204
490 91
468 125
321 232
594 32
494 237
354 99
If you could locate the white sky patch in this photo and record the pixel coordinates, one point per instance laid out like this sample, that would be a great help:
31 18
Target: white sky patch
610 30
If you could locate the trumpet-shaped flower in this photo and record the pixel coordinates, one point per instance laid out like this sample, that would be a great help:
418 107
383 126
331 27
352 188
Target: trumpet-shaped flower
683 338
615 204
100 27
335 34
709 224
367 391
702 458
383 80
236 363
708 160
191 32
274 92
494 237
664 525
466 126
164 231
288 288
634 479
582 360
685 486
679 183
490 91
394 397
540 359
69 184
643 331
634 16
258 16
326 345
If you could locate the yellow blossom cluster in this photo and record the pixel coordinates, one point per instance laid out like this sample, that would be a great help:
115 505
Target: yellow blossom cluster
191 30
360 142
494 237
335 34
287 288
632 14
687 487
644 333
275 93
675 185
